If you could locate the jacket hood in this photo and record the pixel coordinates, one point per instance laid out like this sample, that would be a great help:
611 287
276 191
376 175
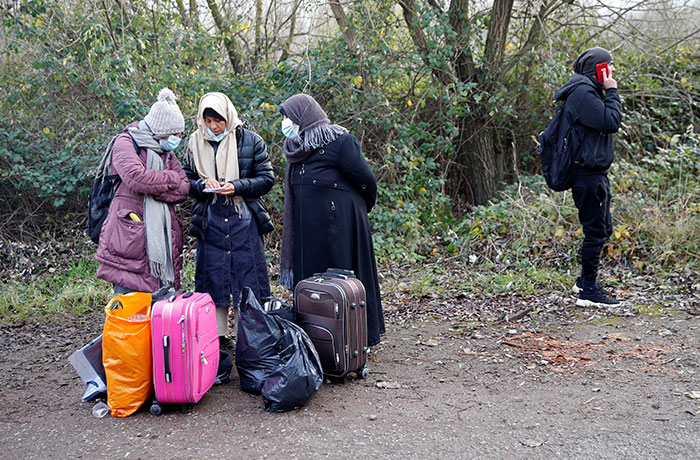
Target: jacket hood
585 63
574 82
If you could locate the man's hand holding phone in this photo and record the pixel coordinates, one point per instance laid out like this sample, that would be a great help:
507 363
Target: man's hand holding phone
604 72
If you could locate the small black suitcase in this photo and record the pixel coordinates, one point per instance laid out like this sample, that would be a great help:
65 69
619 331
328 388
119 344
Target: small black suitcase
332 308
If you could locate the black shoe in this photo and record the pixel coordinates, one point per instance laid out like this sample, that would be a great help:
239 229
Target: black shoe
596 298
577 288
225 343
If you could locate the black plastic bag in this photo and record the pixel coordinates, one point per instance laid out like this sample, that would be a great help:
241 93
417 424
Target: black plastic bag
278 307
300 375
256 351
275 357
223 373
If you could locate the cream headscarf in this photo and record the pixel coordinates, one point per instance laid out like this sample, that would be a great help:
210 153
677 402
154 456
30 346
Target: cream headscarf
223 166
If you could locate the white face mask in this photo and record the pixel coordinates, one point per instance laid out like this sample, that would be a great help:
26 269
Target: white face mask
170 143
289 129
219 137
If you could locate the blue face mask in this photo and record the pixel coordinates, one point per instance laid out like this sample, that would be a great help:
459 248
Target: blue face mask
289 129
170 143
219 137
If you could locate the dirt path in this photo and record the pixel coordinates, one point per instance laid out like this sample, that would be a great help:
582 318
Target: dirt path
598 388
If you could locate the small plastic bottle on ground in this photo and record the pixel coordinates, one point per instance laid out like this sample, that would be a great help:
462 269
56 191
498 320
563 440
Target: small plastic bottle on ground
100 409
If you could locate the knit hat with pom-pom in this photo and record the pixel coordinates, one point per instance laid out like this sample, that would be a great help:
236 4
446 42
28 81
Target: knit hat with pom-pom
165 116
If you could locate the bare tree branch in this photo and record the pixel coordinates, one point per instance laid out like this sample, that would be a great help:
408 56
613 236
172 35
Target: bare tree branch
420 41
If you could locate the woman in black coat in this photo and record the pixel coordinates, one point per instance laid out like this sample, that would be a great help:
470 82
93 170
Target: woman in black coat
329 189
229 172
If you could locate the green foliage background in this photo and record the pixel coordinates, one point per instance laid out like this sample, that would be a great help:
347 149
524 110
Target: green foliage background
70 79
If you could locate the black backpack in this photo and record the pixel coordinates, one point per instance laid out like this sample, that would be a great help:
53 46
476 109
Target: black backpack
557 150
103 189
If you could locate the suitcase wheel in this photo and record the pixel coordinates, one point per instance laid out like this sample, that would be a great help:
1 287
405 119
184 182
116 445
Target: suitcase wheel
363 373
156 408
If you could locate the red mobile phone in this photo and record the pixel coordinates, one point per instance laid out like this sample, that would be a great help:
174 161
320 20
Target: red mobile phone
599 70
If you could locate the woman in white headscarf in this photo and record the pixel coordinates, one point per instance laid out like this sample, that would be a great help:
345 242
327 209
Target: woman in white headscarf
229 172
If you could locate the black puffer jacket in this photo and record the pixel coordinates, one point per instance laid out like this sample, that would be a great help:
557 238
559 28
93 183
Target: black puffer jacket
256 179
595 117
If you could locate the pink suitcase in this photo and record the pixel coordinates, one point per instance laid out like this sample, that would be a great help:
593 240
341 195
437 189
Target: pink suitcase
185 348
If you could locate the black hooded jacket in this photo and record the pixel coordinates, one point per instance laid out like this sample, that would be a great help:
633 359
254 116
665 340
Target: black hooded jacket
256 179
595 115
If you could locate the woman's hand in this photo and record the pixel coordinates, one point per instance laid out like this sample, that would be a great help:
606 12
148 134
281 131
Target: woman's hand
212 183
227 188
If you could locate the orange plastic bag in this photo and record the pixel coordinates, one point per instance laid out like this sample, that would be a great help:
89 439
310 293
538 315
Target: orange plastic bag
126 352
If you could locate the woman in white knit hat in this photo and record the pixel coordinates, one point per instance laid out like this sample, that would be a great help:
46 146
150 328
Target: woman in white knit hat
141 240
229 172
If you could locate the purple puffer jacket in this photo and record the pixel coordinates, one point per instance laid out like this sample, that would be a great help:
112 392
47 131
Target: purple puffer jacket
121 252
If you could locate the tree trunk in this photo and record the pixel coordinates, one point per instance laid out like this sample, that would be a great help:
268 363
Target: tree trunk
226 35
344 25
183 12
258 32
476 175
498 32
292 28
194 13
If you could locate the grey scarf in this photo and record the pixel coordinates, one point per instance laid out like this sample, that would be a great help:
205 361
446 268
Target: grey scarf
315 131
156 215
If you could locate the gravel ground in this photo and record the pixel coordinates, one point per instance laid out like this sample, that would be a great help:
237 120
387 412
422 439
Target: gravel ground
557 383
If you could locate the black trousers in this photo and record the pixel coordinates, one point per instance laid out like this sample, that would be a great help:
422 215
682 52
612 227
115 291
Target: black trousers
591 193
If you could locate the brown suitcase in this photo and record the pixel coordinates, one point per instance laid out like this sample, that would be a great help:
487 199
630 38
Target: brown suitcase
332 308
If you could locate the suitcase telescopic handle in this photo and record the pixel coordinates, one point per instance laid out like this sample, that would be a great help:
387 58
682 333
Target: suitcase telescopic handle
171 299
344 272
166 359
331 275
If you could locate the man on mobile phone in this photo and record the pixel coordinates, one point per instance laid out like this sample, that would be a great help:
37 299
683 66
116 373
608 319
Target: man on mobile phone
595 111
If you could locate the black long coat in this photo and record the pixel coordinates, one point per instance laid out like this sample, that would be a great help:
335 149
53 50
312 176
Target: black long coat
334 189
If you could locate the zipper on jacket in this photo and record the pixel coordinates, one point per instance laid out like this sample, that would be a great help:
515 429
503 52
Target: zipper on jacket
332 205
301 173
203 359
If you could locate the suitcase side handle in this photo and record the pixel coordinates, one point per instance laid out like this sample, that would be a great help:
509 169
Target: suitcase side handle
166 359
